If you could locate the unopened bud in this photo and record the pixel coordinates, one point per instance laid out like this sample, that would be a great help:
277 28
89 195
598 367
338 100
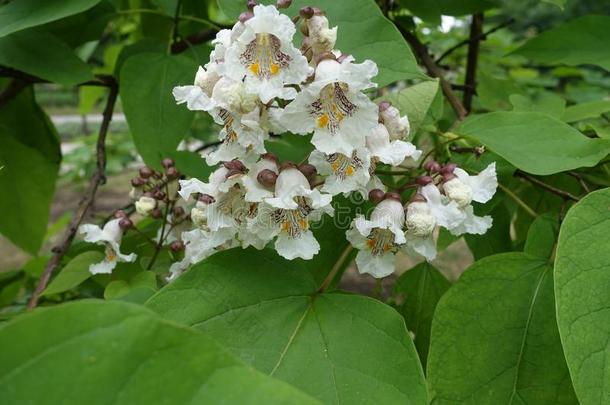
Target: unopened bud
167 163
177 246
376 195
287 165
325 56
172 173
267 177
245 16
159 195
206 199
391 196
448 176
120 214
269 156
306 12
234 165
384 105
308 171
233 173
156 213
138 182
146 172
283 3
448 168
343 56
250 4
432 166
125 223
178 211
424 180
417 197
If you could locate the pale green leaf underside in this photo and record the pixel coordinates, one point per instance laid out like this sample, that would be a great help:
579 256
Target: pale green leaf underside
535 142
97 352
414 102
495 339
582 288
338 348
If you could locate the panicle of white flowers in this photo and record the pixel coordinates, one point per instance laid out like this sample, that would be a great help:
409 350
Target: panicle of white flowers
257 83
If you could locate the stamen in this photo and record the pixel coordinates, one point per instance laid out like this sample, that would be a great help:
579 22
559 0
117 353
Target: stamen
380 241
110 254
332 106
343 166
227 119
293 222
264 57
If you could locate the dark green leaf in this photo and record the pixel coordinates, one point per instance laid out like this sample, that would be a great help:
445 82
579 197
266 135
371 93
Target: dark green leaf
495 339
339 348
542 235
30 154
591 109
74 273
116 353
548 103
422 287
415 101
157 124
535 142
582 288
21 14
497 238
41 54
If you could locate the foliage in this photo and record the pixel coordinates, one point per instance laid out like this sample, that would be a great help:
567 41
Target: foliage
524 319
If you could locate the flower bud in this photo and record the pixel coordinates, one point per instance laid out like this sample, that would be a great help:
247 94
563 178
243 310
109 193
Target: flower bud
448 168
424 180
206 199
234 165
283 3
417 197
343 56
234 173
245 16
269 156
177 246
145 205
267 177
391 196
432 167
384 105
120 214
167 163
325 56
322 37
250 4
448 176
146 172
308 170
156 213
125 223
287 165
138 182
178 212
376 195
306 12
172 173
159 195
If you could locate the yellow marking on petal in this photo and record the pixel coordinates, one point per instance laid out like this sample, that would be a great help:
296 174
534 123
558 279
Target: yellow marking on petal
285 226
371 243
110 255
349 171
274 68
323 121
255 68
303 223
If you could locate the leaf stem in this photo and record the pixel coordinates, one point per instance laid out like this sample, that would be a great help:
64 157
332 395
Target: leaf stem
518 200
338 265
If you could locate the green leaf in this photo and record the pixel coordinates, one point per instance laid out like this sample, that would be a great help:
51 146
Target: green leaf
363 32
338 348
30 154
157 123
546 102
415 101
496 240
18 15
559 3
582 288
98 352
74 273
41 54
494 337
422 287
542 235
591 109
580 41
535 142
494 93
431 10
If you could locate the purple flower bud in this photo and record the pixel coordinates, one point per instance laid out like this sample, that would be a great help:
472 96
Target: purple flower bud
178 211
146 172
176 246
448 168
343 56
235 165
392 196
245 16
138 182
417 198
448 176
172 173
125 223
206 199
250 4
424 180
325 56
306 12
384 105
269 156
283 3
159 195
308 171
156 213
432 167
233 173
267 177
376 195
120 214
167 163
287 165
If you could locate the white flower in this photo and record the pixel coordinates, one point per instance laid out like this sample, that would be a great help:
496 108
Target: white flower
398 127
446 212
265 56
198 97
287 215
333 107
378 238
420 224
145 205
481 187
255 191
321 38
392 153
232 95
344 173
110 236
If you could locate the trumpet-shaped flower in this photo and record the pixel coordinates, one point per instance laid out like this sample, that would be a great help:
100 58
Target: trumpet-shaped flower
344 173
420 224
334 107
389 152
264 56
110 236
379 238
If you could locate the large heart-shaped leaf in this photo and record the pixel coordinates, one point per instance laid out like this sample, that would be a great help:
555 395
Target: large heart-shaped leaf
415 101
18 15
30 156
535 142
363 32
98 352
582 288
495 339
581 41
157 124
337 347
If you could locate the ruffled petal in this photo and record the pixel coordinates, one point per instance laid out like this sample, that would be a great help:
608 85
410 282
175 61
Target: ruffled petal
305 246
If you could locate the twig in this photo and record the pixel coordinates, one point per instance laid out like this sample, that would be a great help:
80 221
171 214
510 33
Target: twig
175 28
97 179
207 145
422 52
333 272
476 28
563 194
581 181
481 37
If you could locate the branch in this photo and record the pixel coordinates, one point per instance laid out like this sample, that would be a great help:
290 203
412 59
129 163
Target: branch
422 52
97 179
476 28
563 194
481 37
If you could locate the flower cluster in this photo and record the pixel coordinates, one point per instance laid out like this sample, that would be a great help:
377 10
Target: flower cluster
257 83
